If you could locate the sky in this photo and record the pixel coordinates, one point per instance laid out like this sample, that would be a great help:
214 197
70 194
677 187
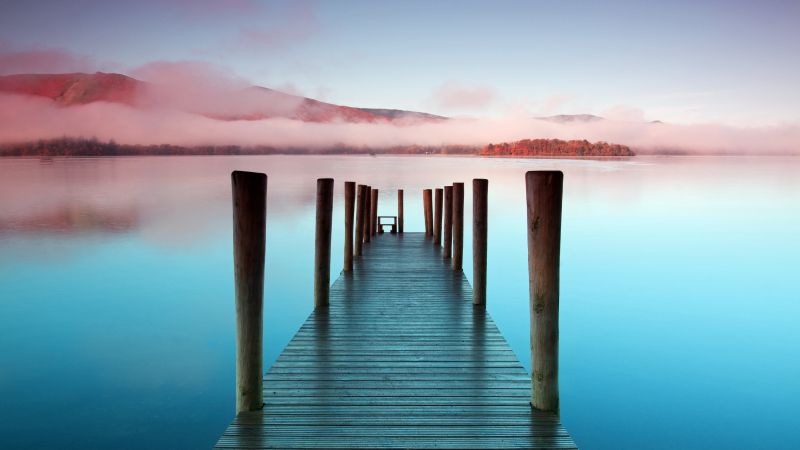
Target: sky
701 62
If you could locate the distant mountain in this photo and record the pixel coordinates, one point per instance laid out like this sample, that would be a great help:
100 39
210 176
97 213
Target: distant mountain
281 104
254 103
566 118
69 89
582 118
399 114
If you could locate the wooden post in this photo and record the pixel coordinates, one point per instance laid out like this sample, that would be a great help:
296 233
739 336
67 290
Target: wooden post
374 210
359 237
322 253
437 217
368 214
458 225
428 211
544 191
480 221
447 242
249 240
349 210
399 210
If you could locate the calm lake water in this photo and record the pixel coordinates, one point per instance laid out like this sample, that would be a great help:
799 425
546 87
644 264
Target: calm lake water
679 301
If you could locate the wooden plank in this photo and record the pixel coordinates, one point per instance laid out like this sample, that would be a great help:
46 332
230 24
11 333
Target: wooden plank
399 359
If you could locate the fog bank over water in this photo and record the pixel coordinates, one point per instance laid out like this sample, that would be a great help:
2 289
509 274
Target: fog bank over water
196 103
26 118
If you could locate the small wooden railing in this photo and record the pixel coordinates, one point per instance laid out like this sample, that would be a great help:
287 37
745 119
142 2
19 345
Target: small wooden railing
393 223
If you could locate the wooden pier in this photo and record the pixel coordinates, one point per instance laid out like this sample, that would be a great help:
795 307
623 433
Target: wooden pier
398 358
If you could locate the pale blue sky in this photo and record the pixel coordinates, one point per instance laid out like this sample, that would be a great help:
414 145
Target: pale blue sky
688 62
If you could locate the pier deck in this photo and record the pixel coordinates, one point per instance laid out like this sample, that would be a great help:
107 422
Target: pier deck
400 359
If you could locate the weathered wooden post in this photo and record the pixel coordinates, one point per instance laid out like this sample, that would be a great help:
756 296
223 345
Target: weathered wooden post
399 210
359 237
448 222
368 214
428 211
480 222
249 240
544 191
458 225
349 210
374 210
322 253
437 217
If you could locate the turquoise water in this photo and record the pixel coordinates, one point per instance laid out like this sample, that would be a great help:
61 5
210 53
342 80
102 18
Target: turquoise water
679 303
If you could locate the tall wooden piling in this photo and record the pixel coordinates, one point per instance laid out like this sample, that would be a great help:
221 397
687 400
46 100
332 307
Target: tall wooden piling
447 242
480 222
373 227
399 210
428 211
544 192
458 225
359 235
368 214
349 211
249 240
437 217
322 253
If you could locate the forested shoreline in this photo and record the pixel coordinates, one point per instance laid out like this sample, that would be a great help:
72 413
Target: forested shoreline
69 146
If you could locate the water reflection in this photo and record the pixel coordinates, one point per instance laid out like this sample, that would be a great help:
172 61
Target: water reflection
116 275
72 219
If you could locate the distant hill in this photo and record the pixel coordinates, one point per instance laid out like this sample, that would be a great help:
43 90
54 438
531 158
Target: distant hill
253 103
566 118
582 118
555 148
301 108
399 114
69 89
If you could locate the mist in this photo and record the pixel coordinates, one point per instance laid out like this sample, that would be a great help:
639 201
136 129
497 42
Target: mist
205 89
192 103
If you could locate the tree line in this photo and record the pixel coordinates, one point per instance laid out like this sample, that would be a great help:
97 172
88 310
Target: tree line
555 147
71 146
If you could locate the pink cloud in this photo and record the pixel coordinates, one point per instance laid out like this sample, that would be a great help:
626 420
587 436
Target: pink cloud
203 88
454 96
43 60
194 74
